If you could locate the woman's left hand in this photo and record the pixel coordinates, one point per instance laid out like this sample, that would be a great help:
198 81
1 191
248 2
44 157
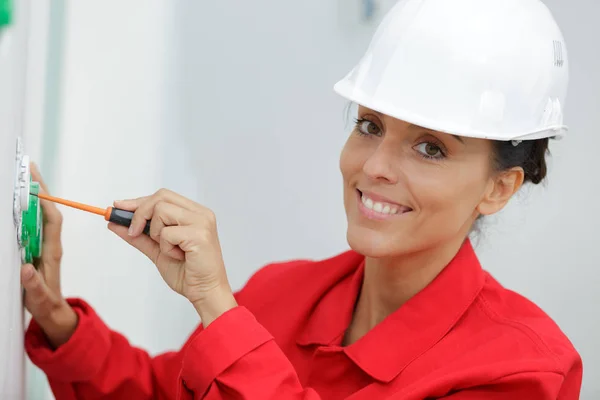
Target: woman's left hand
184 246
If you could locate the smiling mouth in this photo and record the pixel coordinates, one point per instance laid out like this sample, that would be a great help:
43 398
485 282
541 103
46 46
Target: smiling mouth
376 209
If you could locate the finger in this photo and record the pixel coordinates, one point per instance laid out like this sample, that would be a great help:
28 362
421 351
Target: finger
171 250
52 250
130 204
168 214
52 225
143 243
164 194
194 241
145 210
39 299
177 199
37 176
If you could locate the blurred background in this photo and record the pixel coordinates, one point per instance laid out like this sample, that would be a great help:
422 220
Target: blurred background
231 104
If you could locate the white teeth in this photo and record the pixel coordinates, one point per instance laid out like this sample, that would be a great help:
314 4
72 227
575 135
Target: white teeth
382 208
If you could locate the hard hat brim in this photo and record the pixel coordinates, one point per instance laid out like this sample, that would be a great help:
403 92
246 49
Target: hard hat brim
347 90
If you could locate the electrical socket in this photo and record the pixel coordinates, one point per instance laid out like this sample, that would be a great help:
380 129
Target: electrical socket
21 188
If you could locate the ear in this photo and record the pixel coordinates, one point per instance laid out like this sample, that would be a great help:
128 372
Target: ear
500 190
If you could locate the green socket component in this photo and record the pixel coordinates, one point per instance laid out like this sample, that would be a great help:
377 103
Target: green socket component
32 227
6 12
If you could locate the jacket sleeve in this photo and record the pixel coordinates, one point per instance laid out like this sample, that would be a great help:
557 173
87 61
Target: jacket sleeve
236 357
537 385
99 363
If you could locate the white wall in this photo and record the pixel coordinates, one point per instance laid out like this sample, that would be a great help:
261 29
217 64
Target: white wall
22 93
231 103
11 314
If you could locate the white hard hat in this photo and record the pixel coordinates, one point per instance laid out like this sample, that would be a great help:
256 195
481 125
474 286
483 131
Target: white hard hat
493 69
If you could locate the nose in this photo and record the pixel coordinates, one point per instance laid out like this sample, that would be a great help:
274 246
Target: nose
380 166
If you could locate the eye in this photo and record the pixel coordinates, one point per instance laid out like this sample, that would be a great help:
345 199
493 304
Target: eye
430 150
367 128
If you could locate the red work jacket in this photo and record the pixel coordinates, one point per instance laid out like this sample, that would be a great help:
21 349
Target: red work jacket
463 337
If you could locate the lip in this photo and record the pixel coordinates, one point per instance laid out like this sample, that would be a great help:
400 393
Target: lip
372 214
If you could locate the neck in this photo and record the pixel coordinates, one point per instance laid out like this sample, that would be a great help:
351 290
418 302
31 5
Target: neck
390 282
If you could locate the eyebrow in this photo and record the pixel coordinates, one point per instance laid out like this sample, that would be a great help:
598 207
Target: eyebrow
413 126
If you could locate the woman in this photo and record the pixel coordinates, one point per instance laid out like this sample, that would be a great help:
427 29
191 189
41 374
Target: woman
455 113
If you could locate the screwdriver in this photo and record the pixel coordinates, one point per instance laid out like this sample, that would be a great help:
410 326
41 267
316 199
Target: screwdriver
111 214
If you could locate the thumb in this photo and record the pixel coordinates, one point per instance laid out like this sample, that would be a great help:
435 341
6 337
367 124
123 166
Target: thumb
40 301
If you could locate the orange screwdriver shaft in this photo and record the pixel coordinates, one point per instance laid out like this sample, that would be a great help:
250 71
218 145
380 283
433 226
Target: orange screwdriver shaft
112 214
79 206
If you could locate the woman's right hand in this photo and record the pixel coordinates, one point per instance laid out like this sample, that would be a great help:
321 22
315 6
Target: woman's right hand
43 297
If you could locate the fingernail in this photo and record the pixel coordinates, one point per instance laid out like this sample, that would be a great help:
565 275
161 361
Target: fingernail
130 231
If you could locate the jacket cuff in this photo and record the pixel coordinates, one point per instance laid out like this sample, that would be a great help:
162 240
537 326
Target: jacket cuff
226 340
81 357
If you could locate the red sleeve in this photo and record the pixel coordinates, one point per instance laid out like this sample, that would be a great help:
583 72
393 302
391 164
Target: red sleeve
527 385
99 363
237 355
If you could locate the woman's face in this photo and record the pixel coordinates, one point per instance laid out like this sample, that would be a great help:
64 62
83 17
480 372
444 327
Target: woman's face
408 189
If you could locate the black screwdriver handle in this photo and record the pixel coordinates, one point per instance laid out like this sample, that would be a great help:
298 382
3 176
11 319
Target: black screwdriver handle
123 218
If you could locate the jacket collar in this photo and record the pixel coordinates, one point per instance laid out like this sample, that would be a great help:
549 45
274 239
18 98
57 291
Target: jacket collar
408 332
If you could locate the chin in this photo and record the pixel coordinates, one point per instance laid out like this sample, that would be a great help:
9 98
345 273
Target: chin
374 244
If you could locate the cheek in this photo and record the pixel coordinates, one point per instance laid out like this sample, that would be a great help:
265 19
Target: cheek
351 159
448 197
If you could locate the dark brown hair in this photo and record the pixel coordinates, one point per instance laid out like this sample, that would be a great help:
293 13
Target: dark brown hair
529 155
